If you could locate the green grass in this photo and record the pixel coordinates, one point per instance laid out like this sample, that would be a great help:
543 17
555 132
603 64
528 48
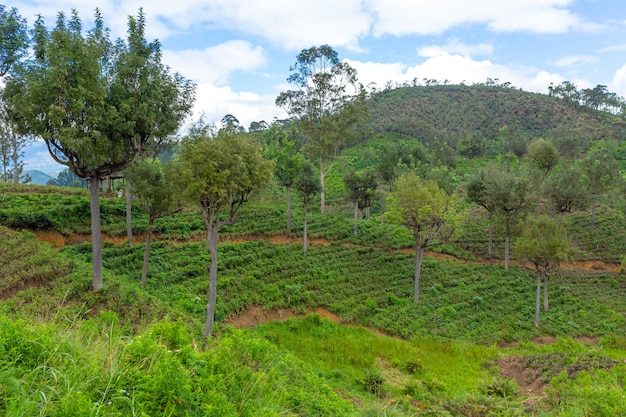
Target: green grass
125 350
89 368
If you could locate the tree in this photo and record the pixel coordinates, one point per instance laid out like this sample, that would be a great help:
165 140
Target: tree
12 145
162 148
567 189
13 38
429 212
281 147
307 184
67 178
399 156
152 185
96 103
544 243
361 187
543 155
328 103
218 173
602 170
472 146
504 194
513 143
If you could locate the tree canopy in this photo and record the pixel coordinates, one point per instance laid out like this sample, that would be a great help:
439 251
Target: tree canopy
96 103
218 173
544 243
13 38
328 102
430 214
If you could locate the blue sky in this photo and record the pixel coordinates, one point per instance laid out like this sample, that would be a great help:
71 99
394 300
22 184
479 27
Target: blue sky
239 51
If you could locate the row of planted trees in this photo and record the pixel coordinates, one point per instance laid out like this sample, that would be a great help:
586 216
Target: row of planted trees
525 196
100 105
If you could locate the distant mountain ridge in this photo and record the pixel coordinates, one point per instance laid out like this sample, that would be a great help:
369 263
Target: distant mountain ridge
37 177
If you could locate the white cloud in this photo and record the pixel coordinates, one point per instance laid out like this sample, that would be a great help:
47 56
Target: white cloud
287 23
214 64
455 46
401 17
618 83
573 60
215 102
458 69
614 48
296 24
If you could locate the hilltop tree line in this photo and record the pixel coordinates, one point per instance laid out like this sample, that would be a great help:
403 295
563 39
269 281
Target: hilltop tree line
106 106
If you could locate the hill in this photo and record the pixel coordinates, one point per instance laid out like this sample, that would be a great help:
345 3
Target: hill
448 112
38 177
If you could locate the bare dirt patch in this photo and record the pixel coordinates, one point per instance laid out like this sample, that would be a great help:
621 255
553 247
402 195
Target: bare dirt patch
257 315
59 240
544 340
10 292
533 373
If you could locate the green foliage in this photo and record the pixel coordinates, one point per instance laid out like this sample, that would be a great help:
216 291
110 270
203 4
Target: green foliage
544 243
14 35
221 170
152 188
307 182
97 72
24 261
89 368
430 112
543 155
373 382
567 188
328 103
363 280
424 208
601 169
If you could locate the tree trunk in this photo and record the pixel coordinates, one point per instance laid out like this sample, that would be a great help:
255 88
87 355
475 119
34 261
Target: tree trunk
356 218
419 255
490 248
96 234
129 225
538 300
507 238
146 254
322 188
304 238
288 188
16 165
545 293
367 213
593 216
212 230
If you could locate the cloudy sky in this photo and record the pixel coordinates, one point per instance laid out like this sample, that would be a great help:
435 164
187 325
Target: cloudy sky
239 51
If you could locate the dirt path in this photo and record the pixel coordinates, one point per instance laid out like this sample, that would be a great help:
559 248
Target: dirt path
59 240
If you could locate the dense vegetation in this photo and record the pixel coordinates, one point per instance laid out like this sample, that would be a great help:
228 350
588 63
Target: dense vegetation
348 339
437 370
448 112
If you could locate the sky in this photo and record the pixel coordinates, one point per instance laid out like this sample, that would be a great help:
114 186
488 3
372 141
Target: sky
239 52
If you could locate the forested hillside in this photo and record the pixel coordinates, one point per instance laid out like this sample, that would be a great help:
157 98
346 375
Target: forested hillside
449 112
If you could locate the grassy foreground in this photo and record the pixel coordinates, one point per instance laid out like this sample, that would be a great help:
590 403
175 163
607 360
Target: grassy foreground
466 350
